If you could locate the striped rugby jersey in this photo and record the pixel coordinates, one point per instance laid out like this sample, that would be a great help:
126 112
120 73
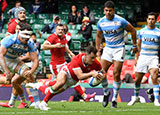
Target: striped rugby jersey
15 48
113 30
150 41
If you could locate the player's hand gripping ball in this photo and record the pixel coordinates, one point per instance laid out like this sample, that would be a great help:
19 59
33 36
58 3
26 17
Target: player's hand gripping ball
94 81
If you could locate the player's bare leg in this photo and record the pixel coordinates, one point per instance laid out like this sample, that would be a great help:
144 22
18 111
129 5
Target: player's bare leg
138 80
154 76
105 65
17 80
117 82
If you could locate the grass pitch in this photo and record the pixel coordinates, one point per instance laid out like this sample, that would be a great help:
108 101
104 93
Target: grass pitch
85 108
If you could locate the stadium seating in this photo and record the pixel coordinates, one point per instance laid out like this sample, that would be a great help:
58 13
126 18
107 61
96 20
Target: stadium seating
78 26
47 21
37 26
76 42
47 61
121 12
94 36
73 32
43 16
122 8
45 36
30 16
94 27
2 36
40 40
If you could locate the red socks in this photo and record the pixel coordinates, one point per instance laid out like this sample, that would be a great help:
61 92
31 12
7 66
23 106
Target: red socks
48 96
31 98
51 83
79 89
42 88
70 99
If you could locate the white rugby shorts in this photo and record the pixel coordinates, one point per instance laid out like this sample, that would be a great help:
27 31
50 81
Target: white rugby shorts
12 63
70 81
57 68
146 63
110 54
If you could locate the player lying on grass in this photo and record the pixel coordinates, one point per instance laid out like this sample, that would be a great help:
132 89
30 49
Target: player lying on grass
81 67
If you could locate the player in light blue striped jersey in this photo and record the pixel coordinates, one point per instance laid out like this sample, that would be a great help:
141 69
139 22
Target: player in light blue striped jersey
147 57
112 27
16 70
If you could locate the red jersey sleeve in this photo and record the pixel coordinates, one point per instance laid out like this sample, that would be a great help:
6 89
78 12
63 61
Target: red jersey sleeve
4 5
98 65
51 39
76 63
11 28
158 19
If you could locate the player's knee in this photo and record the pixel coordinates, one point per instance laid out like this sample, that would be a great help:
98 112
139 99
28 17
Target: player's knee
30 79
60 83
116 73
138 80
154 78
14 82
22 69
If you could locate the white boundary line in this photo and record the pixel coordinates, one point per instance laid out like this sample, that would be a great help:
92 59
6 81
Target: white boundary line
53 111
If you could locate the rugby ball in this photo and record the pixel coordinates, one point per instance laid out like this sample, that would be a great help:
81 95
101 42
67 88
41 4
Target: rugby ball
94 81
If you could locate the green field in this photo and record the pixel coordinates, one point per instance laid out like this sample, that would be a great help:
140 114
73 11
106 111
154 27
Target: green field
85 108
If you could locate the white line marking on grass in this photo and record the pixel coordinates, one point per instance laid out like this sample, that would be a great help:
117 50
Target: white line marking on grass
53 111
135 110
43 112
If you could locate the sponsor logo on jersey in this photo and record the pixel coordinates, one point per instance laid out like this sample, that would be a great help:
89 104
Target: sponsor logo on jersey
149 39
19 46
110 31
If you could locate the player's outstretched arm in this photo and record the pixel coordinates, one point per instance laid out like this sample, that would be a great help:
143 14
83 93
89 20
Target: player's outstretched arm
81 76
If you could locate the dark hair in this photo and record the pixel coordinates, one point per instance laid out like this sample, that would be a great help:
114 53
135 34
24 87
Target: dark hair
33 34
86 6
71 7
18 1
60 25
57 18
109 4
91 49
152 13
24 26
65 25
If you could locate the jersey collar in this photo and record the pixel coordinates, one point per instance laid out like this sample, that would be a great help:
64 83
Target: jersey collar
83 62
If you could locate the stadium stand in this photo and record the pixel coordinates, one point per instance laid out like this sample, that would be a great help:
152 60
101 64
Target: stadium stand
128 10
